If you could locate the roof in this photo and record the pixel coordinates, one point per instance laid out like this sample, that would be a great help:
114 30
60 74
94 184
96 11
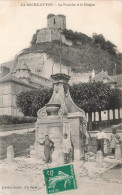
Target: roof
39 76
23 66
15 62
118 79
10 78
103 75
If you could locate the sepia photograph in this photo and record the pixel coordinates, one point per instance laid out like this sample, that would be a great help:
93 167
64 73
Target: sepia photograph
60 97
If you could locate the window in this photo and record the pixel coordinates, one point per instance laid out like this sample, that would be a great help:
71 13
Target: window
38 70
54 21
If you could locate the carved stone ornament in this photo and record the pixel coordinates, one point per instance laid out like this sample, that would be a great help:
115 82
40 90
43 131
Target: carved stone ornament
60 113
42 114
56 88
66 87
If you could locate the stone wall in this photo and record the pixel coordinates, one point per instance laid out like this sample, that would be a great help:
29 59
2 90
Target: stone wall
41 81
79 78
43 35
5 98
49 35
15 127
8 94
42 64
55 34
33 61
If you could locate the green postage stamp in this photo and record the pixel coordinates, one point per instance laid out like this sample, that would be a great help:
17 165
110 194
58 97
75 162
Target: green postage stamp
60 179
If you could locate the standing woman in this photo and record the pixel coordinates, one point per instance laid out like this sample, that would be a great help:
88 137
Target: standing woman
114 140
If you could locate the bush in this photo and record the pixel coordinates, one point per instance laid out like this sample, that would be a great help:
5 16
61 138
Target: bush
76 36
9 120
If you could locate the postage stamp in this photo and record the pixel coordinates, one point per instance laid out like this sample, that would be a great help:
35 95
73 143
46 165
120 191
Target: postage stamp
60 179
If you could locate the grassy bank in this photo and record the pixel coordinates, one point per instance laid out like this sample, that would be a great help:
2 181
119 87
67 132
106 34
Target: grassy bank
20 142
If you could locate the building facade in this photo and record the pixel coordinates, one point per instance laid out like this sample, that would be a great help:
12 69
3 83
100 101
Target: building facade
13 83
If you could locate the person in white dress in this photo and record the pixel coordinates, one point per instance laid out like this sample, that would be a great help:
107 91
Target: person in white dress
66 145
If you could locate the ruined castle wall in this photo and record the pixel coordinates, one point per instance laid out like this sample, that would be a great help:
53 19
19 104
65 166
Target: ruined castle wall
35 61
41 64
55 34
44 35
41 80
49 35
79 78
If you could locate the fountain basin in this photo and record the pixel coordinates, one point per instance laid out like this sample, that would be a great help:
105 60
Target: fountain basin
52 109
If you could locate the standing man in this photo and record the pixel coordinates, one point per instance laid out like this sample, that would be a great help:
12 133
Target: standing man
48 148
114 140
101 137
66 149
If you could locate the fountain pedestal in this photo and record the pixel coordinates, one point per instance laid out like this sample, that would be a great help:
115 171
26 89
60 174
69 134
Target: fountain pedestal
60 116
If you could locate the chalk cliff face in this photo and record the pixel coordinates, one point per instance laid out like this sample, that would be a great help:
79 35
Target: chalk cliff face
80 58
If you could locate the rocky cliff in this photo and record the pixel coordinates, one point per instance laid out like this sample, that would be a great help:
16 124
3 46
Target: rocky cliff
81 58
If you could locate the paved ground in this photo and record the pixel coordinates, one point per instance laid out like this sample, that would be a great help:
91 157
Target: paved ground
24 177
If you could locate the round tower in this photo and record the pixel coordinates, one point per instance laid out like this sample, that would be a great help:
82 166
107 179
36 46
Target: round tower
56 21
23 73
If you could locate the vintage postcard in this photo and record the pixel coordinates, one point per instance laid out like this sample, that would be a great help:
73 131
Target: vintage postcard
60 97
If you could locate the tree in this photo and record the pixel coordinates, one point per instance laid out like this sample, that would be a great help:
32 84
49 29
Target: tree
111 48
30 102
105 45
76 36
91 97
99 39
115 101
94 97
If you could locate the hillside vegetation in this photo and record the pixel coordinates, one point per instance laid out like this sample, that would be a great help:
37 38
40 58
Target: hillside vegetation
85 53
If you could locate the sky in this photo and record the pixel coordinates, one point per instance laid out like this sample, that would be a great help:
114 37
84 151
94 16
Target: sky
19 23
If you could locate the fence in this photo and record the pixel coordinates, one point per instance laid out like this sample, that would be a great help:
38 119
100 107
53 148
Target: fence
104 124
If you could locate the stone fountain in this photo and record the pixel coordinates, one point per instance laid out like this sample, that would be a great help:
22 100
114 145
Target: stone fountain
60 116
